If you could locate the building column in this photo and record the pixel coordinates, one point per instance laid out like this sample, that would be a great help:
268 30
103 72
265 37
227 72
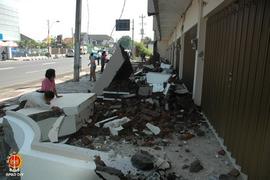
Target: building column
182 46
199 61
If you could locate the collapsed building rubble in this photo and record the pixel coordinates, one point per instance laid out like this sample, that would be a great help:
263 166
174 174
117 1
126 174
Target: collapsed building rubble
143 125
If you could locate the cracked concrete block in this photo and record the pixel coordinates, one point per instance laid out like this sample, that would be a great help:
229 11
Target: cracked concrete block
62 161
157 80
78 107
118 68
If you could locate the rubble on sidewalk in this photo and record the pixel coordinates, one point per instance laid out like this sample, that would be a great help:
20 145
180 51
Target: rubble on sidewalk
147 118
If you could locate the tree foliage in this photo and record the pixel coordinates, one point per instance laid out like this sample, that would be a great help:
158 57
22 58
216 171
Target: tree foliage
141 49
125 42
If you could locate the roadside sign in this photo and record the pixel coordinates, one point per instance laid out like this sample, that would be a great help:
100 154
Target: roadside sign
1 36
122 25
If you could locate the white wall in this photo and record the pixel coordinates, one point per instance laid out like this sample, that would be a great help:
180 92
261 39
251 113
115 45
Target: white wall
9 20
193 15
162 47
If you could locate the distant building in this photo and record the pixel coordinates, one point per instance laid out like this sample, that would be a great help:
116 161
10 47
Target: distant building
25 38
9 26
96 39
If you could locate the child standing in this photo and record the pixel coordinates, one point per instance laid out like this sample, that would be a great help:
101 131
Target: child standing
92 64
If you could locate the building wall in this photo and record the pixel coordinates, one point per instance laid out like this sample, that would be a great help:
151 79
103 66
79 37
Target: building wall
236 86
9 20
162 47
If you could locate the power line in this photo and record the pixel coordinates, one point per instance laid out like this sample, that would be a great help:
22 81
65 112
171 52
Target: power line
123 8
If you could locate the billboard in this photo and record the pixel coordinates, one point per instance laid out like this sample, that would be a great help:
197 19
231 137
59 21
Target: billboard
122 25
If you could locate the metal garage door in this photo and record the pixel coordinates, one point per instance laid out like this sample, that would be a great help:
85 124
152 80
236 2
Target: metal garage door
236 87
189 58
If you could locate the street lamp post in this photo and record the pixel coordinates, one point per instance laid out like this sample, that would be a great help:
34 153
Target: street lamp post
48 38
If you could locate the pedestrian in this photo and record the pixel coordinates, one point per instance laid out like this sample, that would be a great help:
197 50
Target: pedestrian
98 57
92 64
38 100
143 57
3 55
48 84
103 60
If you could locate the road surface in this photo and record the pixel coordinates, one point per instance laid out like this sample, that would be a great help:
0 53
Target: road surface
13 73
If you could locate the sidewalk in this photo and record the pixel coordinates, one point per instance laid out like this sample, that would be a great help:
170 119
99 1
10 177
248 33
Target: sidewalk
33 58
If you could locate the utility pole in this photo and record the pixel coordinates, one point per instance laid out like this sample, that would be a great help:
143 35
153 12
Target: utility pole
77 40
132 43
48 39
72 35
142 30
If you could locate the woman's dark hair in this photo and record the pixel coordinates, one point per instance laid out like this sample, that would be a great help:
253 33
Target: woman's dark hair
104 52
49 94
50 73
91 54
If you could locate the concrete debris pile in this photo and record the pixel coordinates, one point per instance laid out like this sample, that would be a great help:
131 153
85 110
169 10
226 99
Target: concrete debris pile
144 120
146 111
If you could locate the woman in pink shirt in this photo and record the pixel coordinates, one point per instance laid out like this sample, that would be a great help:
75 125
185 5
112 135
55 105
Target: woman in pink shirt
48 84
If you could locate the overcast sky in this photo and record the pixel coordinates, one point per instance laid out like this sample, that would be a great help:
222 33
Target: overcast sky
33 16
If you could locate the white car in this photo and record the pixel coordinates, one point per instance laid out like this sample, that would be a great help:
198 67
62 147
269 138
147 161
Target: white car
70 53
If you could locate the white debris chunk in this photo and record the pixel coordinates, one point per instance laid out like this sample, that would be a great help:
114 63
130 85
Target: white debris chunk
116 125
98 124
154 129
54 132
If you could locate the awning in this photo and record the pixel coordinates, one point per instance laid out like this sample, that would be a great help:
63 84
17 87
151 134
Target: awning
8 44
167 15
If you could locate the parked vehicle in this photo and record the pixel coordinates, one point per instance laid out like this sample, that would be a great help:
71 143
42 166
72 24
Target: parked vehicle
83 50
70 53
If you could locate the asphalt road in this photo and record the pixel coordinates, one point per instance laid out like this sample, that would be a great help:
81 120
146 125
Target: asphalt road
13 73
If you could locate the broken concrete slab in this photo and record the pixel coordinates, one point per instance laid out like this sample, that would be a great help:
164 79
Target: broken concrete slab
157 80
101 123
118 67
116 125
78 107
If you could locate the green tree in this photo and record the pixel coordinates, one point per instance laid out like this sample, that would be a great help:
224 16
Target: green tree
125 42
28 44
141 49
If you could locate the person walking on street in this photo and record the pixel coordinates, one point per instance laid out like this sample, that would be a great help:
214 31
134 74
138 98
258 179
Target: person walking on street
3 55
103 60
92 64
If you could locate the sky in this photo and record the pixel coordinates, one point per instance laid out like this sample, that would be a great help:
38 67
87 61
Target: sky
33 15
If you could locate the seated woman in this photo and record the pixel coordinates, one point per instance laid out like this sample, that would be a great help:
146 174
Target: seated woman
48 84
